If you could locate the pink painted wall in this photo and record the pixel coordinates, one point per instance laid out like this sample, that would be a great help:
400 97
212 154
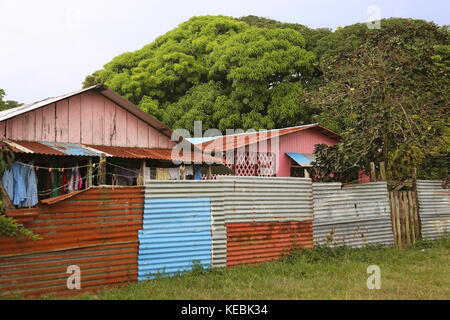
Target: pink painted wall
299 142
86 118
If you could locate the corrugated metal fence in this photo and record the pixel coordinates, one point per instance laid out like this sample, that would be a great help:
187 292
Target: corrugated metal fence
355 215
266 217
434 208
127 234
251 220
95 230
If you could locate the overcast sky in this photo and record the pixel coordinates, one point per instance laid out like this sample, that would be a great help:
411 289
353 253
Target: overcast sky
48 47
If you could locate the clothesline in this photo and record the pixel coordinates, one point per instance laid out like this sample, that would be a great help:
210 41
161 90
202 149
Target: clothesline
128 169
93 165
50 191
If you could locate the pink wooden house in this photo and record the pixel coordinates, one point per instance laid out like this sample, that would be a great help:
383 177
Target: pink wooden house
79 128
280 153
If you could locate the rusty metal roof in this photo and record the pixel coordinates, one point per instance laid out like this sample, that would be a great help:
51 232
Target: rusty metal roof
73 149
225 143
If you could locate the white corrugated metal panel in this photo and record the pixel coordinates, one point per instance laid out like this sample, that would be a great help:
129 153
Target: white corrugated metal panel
259 199
198 189
354 215
434 208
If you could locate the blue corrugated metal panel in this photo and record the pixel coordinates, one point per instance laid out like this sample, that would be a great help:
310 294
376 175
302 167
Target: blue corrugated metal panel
176 235
71 149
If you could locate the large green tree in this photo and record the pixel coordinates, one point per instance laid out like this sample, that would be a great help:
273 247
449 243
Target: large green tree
217 69
389 97
7 104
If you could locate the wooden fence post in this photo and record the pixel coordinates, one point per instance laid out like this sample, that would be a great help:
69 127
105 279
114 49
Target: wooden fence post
383 171
102 170
89 182
373 173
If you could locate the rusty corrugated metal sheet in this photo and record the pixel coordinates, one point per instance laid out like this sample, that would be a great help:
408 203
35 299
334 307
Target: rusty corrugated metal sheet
96 230
250 243
72 149
63 197
230 142
157 154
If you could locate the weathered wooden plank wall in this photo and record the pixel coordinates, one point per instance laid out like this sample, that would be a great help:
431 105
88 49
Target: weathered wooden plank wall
87 118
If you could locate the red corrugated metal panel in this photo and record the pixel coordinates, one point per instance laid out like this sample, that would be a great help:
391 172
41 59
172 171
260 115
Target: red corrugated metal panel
157 154
96 230
231 142
119 152
250 243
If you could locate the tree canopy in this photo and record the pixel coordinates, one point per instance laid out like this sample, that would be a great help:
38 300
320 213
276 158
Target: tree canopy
385 90
217 69
389 98
7 104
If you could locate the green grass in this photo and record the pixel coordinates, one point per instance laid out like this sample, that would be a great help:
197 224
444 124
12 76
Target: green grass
422 272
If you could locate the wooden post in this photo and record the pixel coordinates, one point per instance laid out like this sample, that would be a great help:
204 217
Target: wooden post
414 174
383 171
209 175
405 209
307 175
397 217
89 174
141 177
102 170
182 172
373 173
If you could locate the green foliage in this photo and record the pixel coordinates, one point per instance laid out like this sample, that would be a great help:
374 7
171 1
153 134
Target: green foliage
389 98
10 228
219 70
7 104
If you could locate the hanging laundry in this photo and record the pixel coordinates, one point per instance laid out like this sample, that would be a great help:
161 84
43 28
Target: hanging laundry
130 175
162 174
31 188
56 179
189 171
198 173
22 186
174 173
75 182
20 189
8 182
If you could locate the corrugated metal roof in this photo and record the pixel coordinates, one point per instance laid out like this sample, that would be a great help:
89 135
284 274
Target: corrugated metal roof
302 159
225 143
72 149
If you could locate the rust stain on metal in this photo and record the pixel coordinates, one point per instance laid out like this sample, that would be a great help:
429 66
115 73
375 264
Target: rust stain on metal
97 235
251 243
